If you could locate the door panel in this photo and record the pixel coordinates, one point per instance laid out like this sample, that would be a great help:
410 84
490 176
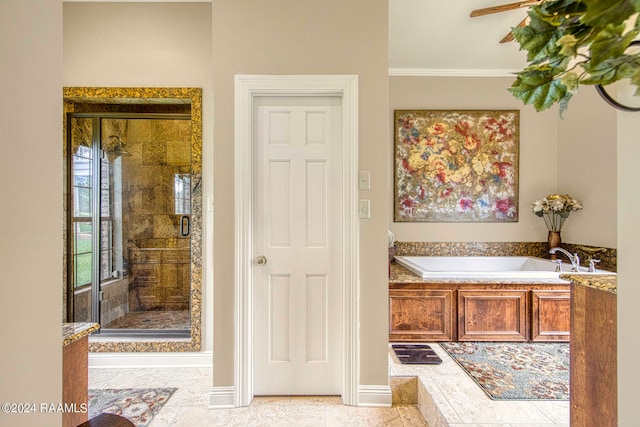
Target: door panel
316 224
316 322
298 292
279 318
279 212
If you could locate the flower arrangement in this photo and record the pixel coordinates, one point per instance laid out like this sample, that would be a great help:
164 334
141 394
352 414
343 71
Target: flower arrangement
555 209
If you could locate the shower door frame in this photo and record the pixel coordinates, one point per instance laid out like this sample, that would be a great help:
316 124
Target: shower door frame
77 99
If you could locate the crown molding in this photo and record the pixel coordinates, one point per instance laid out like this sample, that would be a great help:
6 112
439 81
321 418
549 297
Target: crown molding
137 1
454 72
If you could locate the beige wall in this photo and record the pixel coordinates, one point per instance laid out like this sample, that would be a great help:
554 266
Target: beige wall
628 126
538 148
31 194
587 168
310 37
153 45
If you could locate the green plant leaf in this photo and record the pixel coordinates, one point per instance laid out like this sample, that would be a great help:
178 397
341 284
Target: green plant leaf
564 103
613 69
538 39
537 86
600 13
571 80
610 43
568 44
629 68
535 37
635 79
560 12
588 35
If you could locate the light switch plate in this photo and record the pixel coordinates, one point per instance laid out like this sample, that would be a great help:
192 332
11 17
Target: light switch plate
364 180
364 209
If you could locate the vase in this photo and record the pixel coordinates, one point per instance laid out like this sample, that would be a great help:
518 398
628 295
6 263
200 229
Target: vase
554 241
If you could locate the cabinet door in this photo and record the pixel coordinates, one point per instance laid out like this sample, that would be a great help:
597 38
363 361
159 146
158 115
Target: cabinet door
492 315
420 315
550 315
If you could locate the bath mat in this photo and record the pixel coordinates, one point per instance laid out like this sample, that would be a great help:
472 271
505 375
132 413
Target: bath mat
515 371
416 354
138 405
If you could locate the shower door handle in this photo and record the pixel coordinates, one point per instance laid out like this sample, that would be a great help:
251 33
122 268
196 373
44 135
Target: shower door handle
185 226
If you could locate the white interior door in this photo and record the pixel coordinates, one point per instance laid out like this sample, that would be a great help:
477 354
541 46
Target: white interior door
297 229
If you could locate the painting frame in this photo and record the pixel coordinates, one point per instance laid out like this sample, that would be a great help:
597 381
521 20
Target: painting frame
456 165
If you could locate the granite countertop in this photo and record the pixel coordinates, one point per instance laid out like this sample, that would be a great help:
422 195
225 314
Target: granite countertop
399 274
74 331
603 282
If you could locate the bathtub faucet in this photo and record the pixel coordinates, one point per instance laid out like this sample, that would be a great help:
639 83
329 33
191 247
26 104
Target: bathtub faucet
575 260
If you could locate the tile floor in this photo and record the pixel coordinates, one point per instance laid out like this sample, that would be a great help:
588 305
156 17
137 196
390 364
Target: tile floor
189 404
446 395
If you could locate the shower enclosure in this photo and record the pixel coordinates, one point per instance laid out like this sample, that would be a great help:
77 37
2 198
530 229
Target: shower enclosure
129 221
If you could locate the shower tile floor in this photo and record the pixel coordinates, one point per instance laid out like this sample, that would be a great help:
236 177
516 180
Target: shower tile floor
151 320
447 396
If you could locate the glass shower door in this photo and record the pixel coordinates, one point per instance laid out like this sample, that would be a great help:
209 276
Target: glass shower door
150 207
131 202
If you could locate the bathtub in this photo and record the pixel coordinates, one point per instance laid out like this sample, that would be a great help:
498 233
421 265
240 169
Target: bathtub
483 267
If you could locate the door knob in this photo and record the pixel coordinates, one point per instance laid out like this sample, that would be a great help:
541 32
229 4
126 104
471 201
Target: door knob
261 260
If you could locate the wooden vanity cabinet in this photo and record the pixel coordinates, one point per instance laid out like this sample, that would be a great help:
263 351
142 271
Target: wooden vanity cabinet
434 312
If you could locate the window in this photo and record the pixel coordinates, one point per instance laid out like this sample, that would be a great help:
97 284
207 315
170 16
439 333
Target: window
86 158
82 181
182 194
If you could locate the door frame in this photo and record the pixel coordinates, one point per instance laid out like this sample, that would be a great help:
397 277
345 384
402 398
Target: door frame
247 88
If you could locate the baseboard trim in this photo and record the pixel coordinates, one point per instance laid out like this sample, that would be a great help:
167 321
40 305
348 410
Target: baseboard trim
222 397
374 396
202 359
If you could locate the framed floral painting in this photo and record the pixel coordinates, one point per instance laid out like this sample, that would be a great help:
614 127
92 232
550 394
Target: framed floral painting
456 165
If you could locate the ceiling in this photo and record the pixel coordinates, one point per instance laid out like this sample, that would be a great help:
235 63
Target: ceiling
437 37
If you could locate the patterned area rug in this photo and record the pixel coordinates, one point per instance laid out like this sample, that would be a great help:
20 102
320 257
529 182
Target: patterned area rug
138 405
515 371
